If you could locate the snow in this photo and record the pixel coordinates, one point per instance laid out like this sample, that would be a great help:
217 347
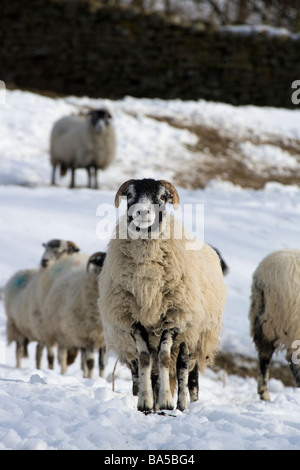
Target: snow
41 409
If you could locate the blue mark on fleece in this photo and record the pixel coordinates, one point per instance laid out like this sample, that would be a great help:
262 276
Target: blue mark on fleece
58 269
20 280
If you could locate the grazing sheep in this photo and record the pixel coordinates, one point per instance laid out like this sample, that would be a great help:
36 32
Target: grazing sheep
161 304
71 317
21 294
274 313
82 142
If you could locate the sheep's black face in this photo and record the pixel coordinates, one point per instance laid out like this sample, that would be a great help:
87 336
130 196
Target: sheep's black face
97 260
146 208
100 119
54 249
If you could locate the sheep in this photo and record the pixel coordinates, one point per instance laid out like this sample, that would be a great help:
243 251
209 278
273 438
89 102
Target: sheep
83 142
161 304
71 318
274 313
21 298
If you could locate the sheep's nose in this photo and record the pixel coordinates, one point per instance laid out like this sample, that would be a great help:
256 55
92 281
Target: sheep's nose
143 213
44 263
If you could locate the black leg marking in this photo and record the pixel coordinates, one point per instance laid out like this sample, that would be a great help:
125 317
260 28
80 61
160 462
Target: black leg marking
182 377
165 400
155 388
193 384
145 393
50 358
101 360
265 351
39 354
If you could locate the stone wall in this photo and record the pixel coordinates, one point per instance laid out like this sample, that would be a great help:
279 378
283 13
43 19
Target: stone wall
78 47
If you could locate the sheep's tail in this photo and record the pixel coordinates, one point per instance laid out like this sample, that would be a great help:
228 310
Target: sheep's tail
63 169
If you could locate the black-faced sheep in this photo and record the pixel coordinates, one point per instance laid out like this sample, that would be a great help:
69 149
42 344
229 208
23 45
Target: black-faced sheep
161 304
21 298
83 142
274 313
71 318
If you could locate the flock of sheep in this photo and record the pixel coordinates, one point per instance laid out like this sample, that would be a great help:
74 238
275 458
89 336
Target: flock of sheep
156 304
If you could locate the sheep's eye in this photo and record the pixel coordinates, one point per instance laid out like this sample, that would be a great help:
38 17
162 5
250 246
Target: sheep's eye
129 195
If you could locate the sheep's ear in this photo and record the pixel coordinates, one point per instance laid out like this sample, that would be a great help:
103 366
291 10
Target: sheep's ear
173 193
72 247
97 259
121 191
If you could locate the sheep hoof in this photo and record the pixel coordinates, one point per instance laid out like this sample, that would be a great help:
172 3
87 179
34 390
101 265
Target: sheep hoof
265 395
145 405
181 406
166 403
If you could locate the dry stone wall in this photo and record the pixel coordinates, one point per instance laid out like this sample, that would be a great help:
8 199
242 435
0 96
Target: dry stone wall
80 47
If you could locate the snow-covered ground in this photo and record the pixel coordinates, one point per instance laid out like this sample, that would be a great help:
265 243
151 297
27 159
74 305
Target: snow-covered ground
45 410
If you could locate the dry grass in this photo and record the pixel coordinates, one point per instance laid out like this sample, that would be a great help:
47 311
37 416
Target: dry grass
247 367
219 156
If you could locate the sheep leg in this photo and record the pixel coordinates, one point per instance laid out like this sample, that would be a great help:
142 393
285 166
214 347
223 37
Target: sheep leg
101 360
263 376
265 350
62 358
95 178
155 388
89 176
165 399
20 351
182 377
72 184
50 357
72 354
26 342
87 362
193 384
39 354
145 394
53 174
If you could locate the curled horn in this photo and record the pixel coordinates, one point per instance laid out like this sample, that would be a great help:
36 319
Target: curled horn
173 192
121 191
72 247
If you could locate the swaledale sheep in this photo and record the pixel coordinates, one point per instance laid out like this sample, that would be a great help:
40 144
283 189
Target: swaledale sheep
161 304
71 317
22 300
83 142
274 313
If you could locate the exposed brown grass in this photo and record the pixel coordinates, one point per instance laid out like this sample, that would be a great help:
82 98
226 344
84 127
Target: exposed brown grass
247 367
219 156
